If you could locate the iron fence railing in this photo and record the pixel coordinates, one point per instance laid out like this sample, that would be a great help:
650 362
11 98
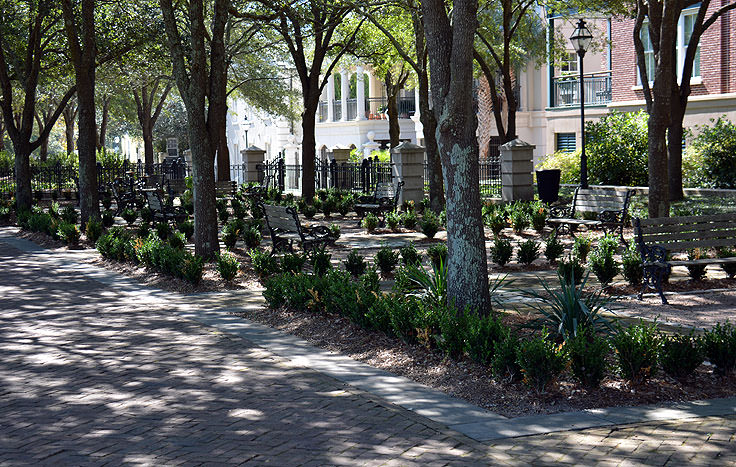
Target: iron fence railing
566 90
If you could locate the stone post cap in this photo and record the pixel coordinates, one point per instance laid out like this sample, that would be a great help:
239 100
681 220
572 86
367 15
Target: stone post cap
340 147
517 144
407 146
253 149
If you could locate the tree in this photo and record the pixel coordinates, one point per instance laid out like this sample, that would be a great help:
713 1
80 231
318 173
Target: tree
310 31
415 54
149 103
450 47
29 36
199 65
70 116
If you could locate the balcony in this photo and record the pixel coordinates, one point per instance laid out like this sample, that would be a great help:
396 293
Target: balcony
566 90
375 109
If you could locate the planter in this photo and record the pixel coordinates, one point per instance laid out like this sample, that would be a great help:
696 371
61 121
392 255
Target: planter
548 185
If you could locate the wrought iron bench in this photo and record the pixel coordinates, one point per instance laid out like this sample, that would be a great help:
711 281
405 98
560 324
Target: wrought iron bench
226 188
608 205
384 200
656 239
126 194
162 210
285 228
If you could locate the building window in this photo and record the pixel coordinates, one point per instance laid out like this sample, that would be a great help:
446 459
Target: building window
685 28
569 64
648 54
565 142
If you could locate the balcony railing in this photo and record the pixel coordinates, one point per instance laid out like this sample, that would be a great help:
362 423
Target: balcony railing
566 90
322 111
337 111
375 109
352 109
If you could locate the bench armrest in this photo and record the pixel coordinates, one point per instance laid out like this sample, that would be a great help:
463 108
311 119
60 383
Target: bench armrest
560 211
611 217
653 254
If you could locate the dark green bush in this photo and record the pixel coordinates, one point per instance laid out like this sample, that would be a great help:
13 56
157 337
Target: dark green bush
437 253
429 224
409 219
369 222
587 352
541 361
553 248
539 216
223 216
187 228
719 345
716 146
696 271
335 231
581 248
293 262
93 230
410 255
481 335
355 263
163 229
519 219
147 215
631 262
321 261
144 229
497 222
393 219
681 354
117 244
452 326
637 351
528 251
69 214
177 240
504 364
69 233
192 268
309 211
501 251
40 223
602 262
227 266
129 215
617 148
239 209
263 262
252 237
386 259
728 268
108 218
571 269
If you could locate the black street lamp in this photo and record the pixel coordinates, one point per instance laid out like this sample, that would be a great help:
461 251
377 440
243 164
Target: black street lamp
581 39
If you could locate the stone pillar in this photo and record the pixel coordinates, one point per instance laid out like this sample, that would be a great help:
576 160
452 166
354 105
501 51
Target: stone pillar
344 93
516 171
331 98
252 157
360 94
416 104
370 145
409 168
291 159
340 154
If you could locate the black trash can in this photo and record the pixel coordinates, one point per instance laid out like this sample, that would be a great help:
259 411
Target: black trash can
548 185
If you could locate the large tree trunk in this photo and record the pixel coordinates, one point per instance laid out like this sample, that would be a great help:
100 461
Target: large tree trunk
309 147
43 150
147 130
203 176
223 156
675 134
88 191
2 134
392 109
23 194
70 114
451 58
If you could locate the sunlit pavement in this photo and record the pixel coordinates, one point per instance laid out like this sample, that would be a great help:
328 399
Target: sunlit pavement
93 374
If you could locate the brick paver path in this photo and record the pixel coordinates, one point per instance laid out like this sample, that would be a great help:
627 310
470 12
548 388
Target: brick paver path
93 375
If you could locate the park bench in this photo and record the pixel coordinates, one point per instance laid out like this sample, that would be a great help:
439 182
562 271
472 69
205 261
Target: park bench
385 199
163 210
609 206
285 228
125 193
657 239
226 188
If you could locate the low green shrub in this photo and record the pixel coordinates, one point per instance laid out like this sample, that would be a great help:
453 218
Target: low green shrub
541 361
252 237
42 223
369 222
309 211
393 219
263 262
177 240
386 259
429 224
191 268
504 363
553 249
719 345
163 230
117 244
631 265
293 262
696 271
335 231
69 233
581 247
410 255
539 216
497 222
587 352
437 253
321 261
69 214
519 220
187 228
144 229
716 147
728 268
239 210
93 230
355 263
409 219
681 354
602 261
571 270
147 215
223 216
129 215
528 252
481 334
453 327
501 251
637 351
227 266
108 218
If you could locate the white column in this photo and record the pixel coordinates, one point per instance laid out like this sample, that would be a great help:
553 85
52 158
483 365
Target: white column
331 98
416 103
360 94
344 92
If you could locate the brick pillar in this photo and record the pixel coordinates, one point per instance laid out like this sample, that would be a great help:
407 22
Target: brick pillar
516 171
408 161
252 157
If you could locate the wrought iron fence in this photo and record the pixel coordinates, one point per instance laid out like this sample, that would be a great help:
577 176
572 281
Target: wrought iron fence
489 177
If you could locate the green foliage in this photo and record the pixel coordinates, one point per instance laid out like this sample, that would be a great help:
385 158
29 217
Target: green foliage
177 240
519 219
452 326
432 286
571 270
355 263
223 215
716 147
129 215
369 222
581 247
191 268
719 345
146 215
252 237
696 271
528 251
335 231
541 361
553 249
728 268
587 352
264 263
227 266
539 216
231 233
69 214
501 251
437 253
504 363
93 230
309 211
163 229
567 162
429 224
602 262
144 229
108 218
570 308
681 354
329 205
637 351
409 219
117 244
497 222
68 232
386 259
40 223
393 219
321 261
187 228
293 262
481 335
239 209
631 262
617 148
410 255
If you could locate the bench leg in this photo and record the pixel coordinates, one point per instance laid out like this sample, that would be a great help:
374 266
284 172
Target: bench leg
654 278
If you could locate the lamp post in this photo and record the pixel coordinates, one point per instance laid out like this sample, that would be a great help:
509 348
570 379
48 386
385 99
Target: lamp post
581 39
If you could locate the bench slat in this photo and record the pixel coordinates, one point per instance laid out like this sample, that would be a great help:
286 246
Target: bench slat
658 237
688 219
706 261
684 246
692 227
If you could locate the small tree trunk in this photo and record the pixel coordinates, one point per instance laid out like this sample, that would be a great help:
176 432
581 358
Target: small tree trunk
394 129
309 147
69 131
674 151
147 130
2 134
43 150
88 196
223 156
103 124
23 194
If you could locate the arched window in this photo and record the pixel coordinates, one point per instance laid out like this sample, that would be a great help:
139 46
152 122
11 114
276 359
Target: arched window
337 80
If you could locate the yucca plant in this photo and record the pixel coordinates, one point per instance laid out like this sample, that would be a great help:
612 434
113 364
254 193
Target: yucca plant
432 286
569 309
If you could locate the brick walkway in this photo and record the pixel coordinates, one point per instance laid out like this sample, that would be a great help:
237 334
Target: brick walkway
93 375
